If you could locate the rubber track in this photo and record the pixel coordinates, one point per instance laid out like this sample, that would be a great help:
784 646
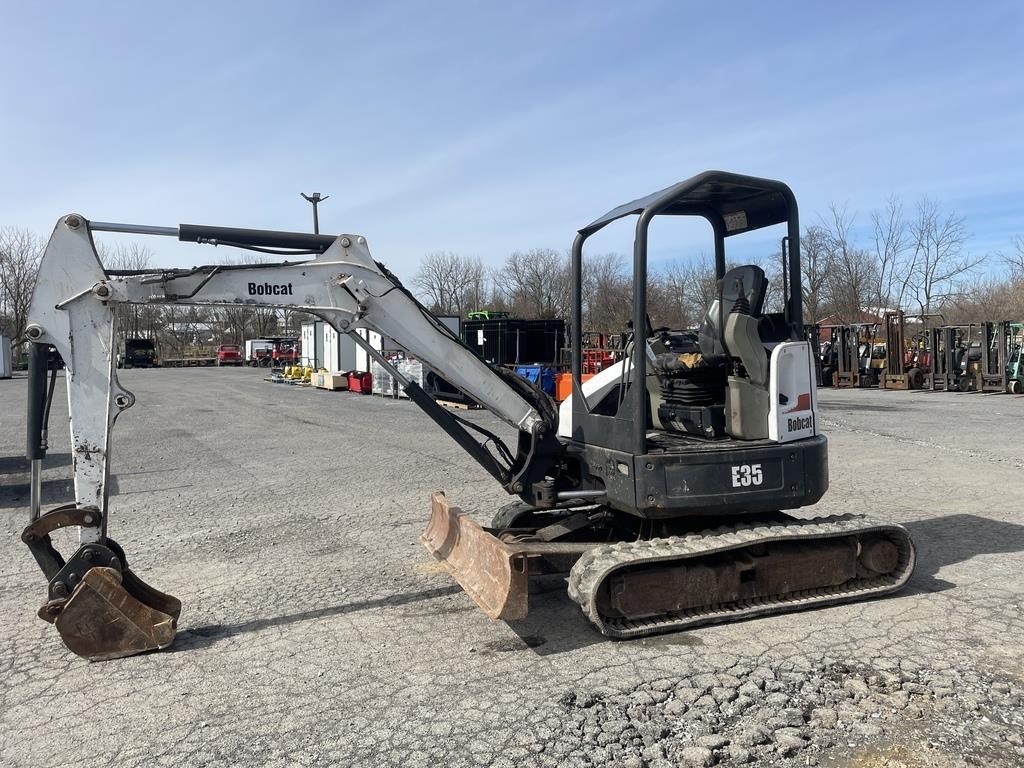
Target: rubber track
591 570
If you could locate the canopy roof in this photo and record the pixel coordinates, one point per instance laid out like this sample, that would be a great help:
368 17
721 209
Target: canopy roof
732 201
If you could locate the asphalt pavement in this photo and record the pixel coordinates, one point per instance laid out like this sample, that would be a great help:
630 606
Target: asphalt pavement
317 630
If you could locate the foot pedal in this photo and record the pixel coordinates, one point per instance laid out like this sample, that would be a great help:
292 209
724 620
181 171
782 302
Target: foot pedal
110 615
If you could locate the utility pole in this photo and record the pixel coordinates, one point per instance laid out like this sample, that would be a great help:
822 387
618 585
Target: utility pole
315 199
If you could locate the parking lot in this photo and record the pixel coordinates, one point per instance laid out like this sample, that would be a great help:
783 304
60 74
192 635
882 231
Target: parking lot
318 631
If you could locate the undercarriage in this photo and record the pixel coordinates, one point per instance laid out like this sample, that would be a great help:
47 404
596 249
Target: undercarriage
633 578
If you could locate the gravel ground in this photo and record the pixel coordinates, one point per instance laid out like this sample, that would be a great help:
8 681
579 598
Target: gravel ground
317 631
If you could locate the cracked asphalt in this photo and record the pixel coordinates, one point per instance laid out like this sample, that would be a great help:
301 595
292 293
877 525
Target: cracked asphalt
317 631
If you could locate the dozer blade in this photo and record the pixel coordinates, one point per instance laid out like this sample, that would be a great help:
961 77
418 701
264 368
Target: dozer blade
492 572
108 617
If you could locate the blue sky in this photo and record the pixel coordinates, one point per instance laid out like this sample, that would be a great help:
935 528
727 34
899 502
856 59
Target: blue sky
484 128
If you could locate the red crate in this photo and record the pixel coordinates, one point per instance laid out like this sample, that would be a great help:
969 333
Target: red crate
360 382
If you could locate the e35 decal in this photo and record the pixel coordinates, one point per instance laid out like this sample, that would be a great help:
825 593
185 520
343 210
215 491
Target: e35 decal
744 475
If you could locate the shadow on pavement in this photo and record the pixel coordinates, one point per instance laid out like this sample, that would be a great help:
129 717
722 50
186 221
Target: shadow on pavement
555 623
860 407
55 492
9 465
944 541
199 637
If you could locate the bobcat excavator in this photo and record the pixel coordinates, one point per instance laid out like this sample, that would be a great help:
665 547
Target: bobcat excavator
660 486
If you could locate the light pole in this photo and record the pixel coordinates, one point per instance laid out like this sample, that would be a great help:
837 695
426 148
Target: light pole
315 199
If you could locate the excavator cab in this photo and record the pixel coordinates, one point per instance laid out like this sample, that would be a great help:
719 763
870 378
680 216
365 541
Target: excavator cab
741 395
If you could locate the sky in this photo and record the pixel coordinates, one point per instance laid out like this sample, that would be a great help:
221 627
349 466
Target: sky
485 127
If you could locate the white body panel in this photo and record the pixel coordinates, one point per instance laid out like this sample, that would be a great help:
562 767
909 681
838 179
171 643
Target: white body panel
339 351
594 390
791 379
794 410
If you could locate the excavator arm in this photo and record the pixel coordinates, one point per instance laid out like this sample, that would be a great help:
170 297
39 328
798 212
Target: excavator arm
101 609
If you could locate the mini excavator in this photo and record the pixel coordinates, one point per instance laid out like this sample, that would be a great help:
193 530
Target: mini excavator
660 486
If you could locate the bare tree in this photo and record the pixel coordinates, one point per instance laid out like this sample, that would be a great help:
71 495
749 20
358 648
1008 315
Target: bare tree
816 266
852 271
536 283
476 282
133 320
443 282
20 254
1015 259
893 255
985 299
607 293
690 288
939 265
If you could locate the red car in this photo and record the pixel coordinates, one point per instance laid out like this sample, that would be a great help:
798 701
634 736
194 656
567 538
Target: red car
229 354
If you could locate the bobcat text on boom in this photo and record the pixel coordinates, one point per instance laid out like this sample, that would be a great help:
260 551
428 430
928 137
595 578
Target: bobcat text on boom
270 289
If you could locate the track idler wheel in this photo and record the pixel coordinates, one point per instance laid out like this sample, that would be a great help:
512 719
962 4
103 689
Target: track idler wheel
101 609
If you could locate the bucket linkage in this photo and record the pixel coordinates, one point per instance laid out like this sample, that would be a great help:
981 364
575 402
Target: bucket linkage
100 608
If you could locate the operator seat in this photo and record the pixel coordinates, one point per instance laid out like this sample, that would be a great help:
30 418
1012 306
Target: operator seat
730 329
747 281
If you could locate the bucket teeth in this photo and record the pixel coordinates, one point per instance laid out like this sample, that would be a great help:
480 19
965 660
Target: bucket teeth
109 616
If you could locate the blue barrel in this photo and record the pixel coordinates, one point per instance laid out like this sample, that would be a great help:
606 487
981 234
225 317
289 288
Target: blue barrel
541 375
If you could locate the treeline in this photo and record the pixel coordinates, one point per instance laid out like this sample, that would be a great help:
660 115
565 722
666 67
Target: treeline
538 284
917 259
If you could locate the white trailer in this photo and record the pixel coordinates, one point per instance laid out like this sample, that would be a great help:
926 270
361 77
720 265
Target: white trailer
6 367
363 360
339 351
312 336
258 351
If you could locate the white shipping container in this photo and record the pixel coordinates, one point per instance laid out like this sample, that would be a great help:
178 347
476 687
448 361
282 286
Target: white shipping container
6 368
312 337
363 358
252 345
339 351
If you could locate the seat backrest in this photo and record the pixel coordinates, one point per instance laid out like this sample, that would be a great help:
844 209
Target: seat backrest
748 281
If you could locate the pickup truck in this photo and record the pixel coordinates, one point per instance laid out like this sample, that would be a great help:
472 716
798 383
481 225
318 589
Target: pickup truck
229 354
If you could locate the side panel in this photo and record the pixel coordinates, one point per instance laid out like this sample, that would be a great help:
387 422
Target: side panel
738 479
362 358
794 397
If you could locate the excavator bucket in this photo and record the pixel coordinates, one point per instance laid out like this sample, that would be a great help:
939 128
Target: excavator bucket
492 572
110 615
